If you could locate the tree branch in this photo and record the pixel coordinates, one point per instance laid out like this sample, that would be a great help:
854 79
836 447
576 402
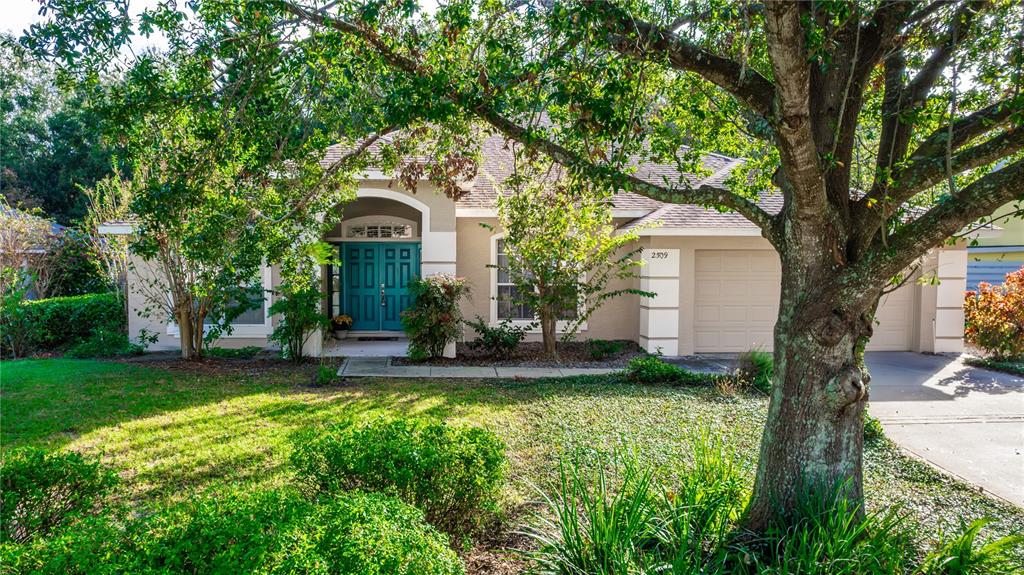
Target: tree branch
704 195
899 97
926 162
794 131
944 220
643 40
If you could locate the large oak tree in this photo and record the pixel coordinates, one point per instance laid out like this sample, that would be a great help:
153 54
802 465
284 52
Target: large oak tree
887 126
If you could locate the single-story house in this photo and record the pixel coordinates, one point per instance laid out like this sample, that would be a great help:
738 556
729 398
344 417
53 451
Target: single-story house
716 278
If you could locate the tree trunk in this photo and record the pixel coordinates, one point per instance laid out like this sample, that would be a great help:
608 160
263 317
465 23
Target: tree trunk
812 446
185 334
547 325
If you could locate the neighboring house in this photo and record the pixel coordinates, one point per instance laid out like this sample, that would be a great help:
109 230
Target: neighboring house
25 240
716 279
998 253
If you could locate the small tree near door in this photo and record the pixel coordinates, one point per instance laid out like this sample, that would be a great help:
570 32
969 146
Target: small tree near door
562 251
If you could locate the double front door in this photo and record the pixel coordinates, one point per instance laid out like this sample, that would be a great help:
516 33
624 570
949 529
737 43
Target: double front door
375 282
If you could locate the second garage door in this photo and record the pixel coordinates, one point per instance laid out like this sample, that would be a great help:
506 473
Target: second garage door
736 302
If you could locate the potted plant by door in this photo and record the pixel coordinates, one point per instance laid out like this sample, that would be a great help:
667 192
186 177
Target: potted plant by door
340 324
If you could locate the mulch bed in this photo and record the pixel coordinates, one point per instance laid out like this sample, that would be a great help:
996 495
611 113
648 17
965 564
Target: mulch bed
531 354
262 363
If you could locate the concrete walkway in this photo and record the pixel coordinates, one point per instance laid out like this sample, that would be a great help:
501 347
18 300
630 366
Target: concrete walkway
965 420
381 367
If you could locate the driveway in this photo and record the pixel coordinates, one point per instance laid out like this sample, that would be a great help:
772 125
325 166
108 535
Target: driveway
966 420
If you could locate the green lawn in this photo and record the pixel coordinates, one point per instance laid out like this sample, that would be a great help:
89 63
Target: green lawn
173 433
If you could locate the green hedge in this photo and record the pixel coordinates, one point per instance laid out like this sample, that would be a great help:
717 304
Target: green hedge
63 321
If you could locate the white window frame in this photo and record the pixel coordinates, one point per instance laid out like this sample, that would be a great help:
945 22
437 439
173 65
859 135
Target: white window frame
560 325
248 330
377 221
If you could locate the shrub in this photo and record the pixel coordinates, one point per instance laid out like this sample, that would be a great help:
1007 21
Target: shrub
93 546
651 369
995 317
43 491
873 431
283 532
756 368
324 375
453 474
103 343
246 352
434 320
15 328
263 532
500 341
75 266
299 307
63 321
600 349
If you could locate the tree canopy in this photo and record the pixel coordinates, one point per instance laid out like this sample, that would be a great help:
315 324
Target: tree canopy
886 126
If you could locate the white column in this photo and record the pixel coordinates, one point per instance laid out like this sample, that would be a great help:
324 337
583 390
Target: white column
659 316
949 301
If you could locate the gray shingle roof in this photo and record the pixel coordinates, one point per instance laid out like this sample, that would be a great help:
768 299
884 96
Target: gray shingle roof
497 164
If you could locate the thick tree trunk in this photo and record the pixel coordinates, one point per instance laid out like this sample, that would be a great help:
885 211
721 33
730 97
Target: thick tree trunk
812 444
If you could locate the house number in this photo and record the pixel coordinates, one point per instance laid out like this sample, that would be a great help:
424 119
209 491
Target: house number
659 255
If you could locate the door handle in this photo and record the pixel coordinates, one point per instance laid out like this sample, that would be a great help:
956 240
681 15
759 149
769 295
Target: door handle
383 301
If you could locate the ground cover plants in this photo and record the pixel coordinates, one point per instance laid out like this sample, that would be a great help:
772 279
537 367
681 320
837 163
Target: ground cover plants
185 442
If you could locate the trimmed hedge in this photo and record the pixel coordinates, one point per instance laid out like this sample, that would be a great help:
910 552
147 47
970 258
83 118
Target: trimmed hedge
63 321
41 491
454 474
278 532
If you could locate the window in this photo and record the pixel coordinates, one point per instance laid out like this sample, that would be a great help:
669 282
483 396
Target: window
506 296
251 316
376 231
509 306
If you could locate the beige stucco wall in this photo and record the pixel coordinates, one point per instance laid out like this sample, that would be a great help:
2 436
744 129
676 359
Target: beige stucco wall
140 275
616 319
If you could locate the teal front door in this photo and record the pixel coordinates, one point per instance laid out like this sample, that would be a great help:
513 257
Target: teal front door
375 282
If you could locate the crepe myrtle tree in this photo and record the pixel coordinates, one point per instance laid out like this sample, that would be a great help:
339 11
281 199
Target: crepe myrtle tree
562 251
886 126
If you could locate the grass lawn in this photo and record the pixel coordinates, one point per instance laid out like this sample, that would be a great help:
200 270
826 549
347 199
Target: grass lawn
171 433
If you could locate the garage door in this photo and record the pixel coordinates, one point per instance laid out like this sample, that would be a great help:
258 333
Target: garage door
893 320
737 297
736 293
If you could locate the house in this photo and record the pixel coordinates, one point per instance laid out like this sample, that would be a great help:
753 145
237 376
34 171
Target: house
994 255
716 279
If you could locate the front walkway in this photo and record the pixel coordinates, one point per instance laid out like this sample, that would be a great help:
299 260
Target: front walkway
381 367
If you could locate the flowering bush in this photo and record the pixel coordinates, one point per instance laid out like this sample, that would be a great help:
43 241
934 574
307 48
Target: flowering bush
434 320
995 317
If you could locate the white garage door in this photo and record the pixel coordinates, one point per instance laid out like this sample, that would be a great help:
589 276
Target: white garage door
893 320
737 300
736 293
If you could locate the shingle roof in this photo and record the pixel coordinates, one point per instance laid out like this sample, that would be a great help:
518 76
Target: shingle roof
497 163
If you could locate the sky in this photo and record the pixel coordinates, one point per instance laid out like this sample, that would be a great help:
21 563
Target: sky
17 15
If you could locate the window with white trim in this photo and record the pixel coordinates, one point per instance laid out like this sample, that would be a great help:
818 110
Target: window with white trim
379 231
506 293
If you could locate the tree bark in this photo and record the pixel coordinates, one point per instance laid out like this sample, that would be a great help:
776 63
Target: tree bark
185 334
548 324
812 446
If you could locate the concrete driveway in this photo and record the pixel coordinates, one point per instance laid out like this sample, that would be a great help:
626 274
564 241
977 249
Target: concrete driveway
966 420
